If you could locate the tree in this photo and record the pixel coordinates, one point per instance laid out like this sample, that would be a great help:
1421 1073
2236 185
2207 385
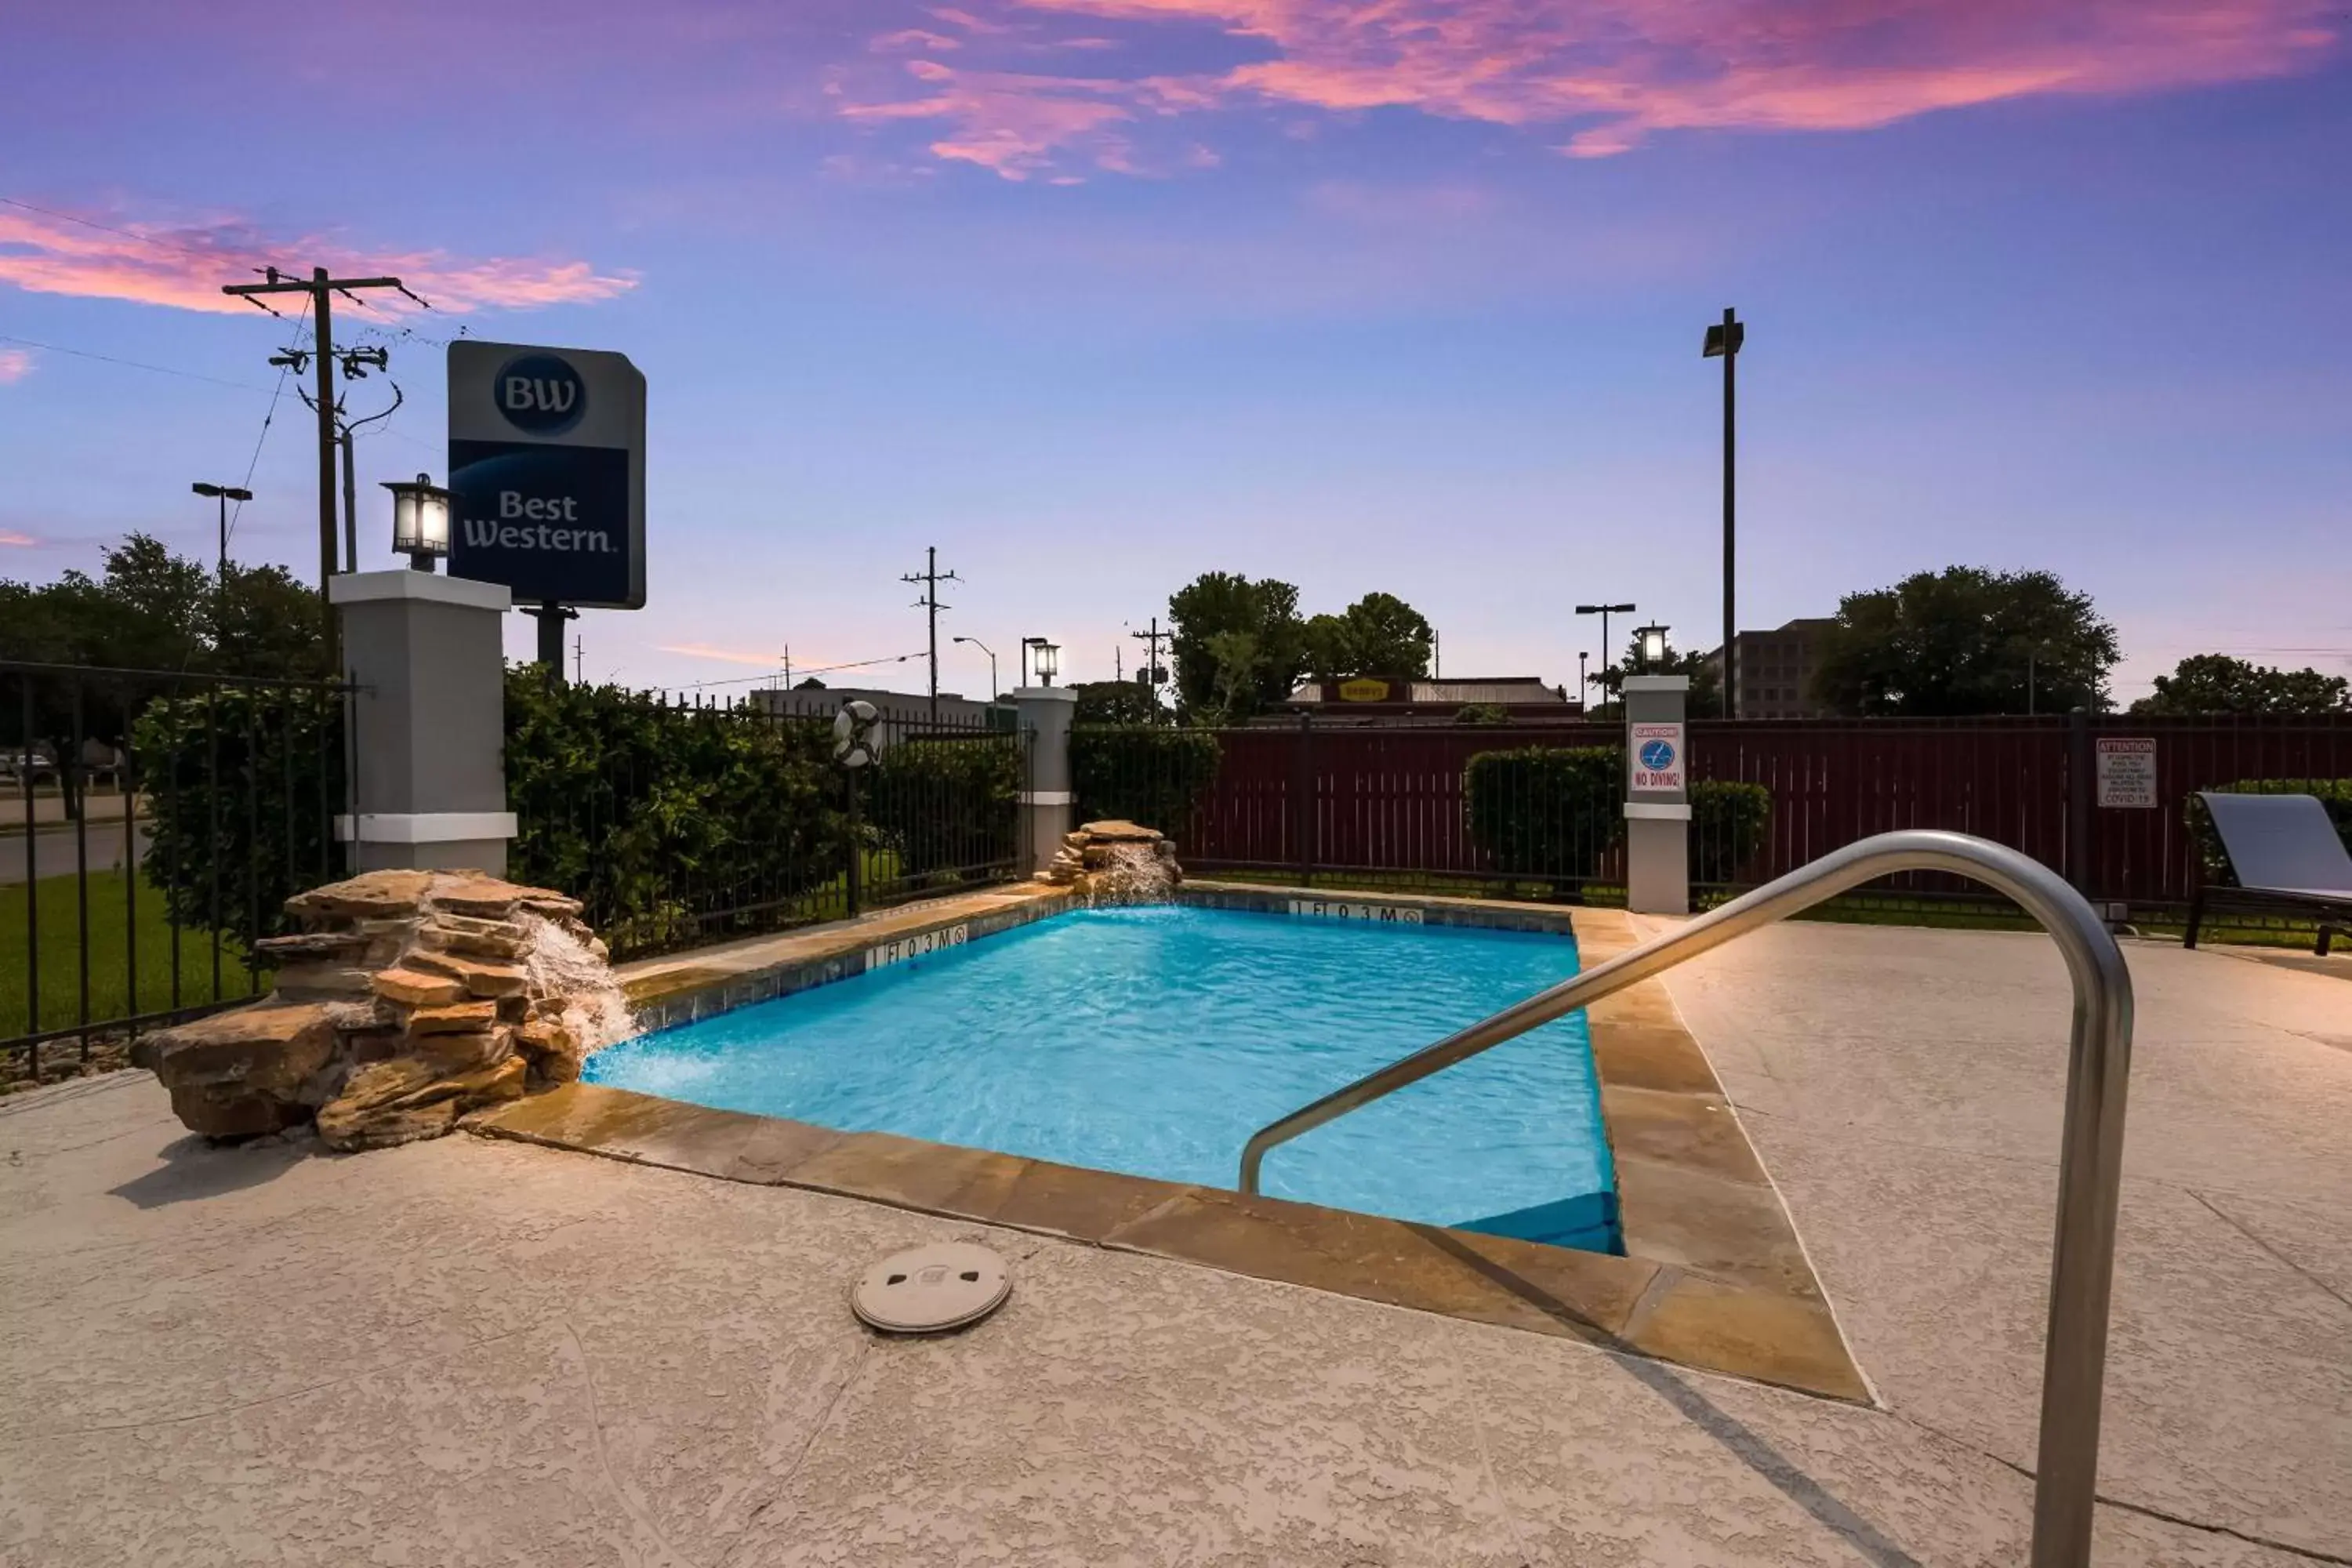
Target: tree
1966 640
1238 645
1118 702
154 610
2217 683
1704 699
1379 634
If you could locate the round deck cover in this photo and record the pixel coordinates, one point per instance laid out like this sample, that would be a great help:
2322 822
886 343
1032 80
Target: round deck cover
930 1289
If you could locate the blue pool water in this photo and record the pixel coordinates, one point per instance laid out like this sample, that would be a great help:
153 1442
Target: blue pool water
1155 1040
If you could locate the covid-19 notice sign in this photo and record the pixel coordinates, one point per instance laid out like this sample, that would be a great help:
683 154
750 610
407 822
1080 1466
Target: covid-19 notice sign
547 473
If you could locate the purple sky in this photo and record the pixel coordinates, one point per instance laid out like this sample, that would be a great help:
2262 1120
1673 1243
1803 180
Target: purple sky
1099 294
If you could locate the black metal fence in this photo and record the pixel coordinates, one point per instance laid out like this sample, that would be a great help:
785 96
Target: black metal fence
678 823
153 824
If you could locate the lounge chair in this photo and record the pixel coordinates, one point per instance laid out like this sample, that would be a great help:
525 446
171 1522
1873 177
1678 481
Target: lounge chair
2287 859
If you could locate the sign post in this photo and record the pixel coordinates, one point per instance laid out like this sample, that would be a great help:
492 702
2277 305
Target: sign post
547 479
1657 796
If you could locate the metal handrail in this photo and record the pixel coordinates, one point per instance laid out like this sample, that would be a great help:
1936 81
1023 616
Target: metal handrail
2090 1166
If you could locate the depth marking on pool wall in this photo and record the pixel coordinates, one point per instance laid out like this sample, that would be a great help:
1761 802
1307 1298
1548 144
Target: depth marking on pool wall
1341 909
917 945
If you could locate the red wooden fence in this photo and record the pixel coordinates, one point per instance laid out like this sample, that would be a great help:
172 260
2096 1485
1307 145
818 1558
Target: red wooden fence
1391 800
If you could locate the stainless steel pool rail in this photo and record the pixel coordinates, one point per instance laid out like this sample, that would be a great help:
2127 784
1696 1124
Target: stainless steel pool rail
2074 1356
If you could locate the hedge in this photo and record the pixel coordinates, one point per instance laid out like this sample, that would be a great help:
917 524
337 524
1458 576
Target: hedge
1728 819
2335 796
242 785
650 812
1554 812
943 806
1546 811
1149 774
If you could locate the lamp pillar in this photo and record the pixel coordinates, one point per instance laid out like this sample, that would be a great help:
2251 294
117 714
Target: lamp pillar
428 785
1049 799
1657 795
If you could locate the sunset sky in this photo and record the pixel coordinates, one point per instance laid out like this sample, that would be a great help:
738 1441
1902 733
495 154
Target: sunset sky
1096 295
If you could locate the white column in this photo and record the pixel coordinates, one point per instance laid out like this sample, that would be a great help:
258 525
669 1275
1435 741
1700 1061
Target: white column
429 785
1049 802
1657 796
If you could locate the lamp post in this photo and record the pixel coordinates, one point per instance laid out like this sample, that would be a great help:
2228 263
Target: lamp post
420 520
991 663
1583 686
223 494
1722 341
1604 611
1029 645
1049 662
1651 645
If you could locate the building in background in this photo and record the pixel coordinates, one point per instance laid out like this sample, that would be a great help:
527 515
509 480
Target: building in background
1776 669
899 711
1366 699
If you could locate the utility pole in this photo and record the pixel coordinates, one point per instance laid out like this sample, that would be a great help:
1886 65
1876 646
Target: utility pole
1583 686
321 286
1723 343
930 577
1155 674
579 664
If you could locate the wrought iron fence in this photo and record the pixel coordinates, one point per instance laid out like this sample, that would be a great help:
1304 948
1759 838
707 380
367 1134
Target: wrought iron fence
681 823
154 824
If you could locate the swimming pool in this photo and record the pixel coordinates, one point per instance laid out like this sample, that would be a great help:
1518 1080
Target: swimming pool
1154 1040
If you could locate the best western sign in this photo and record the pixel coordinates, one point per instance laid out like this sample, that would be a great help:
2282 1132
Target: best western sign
547 473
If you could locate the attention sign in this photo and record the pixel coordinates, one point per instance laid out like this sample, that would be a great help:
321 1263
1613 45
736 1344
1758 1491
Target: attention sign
2126 772
1654 760
547 473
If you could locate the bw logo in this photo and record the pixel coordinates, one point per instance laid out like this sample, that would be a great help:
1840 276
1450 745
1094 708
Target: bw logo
540 394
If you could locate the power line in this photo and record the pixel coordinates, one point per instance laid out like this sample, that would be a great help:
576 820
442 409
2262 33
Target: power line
819 669
131 364
255 462
213 256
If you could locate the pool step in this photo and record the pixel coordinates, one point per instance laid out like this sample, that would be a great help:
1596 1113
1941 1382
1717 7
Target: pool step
1588 1221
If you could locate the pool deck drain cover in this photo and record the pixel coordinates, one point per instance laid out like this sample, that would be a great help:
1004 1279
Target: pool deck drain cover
930 1289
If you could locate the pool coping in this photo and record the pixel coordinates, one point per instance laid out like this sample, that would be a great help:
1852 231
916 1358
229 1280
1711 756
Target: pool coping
1714 1275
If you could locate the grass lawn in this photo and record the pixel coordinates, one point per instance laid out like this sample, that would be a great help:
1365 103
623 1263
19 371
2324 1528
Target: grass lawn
118 987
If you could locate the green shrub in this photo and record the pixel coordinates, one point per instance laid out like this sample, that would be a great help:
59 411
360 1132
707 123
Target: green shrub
943 806
2333 795
243 784
1145 774
1546 811
650 814
1482 713
1728 823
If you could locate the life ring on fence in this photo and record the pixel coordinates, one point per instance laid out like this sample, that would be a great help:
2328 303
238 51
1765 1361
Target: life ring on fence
853 742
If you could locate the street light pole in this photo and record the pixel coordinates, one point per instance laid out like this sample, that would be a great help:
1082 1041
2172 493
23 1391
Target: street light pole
224 494
1604 611
1722 341
1583 686
991 663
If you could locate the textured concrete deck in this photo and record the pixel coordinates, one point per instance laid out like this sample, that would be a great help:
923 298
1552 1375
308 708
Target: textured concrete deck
486 1353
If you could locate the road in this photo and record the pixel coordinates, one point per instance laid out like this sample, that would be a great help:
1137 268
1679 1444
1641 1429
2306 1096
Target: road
53 851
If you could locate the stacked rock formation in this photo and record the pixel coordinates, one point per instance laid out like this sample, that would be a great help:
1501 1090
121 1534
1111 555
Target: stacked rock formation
1115 861
407 999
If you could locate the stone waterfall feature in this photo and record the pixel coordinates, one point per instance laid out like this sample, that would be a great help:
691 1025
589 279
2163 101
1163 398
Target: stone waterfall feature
407 999
1116 863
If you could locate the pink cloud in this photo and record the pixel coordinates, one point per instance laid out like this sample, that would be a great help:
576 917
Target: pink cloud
1613 73
1009 122
725 654
912 38
10 536
16 364
185 265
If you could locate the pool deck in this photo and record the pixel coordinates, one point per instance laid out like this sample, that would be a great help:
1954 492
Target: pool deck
482 1351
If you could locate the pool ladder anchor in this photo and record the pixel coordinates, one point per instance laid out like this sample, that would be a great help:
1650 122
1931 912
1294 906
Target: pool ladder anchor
2082 1272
